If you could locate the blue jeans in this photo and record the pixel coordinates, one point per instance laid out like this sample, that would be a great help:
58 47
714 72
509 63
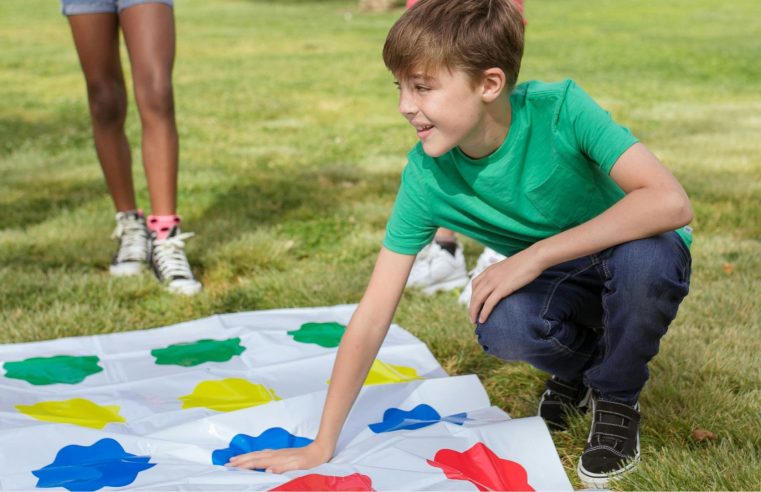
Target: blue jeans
599 318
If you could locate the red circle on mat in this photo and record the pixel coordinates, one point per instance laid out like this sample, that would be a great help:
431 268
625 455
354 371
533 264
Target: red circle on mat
481 467
315 481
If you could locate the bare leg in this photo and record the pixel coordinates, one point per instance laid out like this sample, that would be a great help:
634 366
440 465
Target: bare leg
445 235
150 38
96 37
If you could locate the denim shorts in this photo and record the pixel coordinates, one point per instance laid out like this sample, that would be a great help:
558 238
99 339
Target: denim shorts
75 7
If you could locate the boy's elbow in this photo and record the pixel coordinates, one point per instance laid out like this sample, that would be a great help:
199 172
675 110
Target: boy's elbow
681 209
688 213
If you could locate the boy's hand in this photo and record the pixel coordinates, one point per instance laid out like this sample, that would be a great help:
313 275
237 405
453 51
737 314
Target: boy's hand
283 460
500 280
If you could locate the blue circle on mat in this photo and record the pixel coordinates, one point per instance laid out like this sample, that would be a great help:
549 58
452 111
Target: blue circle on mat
423 415
274 438
104 464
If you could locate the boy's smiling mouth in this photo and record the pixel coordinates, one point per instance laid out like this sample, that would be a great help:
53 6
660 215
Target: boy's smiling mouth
423 130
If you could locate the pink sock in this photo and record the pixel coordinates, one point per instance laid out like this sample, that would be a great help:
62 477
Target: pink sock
162 224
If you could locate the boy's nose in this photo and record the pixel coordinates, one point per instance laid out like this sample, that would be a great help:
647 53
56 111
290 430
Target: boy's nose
406 105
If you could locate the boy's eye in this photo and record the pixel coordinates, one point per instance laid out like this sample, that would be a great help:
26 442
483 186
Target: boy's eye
421 88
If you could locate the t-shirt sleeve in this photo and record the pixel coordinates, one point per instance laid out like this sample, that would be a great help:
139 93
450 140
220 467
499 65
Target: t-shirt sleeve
409 228
591 130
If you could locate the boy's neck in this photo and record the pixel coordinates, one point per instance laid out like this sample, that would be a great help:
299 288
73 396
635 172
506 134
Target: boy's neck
491 133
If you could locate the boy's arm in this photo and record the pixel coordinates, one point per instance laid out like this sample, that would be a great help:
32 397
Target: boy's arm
356 353
655 202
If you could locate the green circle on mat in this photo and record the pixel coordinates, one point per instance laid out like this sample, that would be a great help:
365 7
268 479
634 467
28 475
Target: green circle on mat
194 353
66 369
326 335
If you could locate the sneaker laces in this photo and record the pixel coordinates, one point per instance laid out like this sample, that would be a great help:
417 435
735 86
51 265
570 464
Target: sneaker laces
169 257
132 237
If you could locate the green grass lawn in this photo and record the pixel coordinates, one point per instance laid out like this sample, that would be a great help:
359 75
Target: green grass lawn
291 153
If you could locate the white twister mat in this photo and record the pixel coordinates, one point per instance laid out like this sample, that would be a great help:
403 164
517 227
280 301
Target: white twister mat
164 409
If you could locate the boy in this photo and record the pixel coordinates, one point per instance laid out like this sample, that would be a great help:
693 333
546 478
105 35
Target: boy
586 216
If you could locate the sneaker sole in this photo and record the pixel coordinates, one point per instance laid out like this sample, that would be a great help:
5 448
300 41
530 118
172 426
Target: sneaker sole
446 285
601 481
126 269
186 289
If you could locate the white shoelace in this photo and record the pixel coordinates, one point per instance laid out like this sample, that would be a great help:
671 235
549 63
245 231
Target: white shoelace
169 257
133 239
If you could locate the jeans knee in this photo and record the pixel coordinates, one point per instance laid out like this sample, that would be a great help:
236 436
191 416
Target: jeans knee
648 279
507 333
653 256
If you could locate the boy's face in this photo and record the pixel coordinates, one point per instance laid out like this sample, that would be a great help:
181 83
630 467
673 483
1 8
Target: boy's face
446 109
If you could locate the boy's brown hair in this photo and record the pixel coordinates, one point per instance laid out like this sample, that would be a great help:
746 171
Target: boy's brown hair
468 35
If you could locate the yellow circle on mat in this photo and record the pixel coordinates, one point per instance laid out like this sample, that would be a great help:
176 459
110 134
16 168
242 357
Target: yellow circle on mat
382 373
227 395
77 411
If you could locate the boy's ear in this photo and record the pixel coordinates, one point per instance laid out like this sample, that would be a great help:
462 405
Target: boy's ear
492 84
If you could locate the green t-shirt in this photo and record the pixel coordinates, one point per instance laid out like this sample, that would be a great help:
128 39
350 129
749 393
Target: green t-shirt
550 174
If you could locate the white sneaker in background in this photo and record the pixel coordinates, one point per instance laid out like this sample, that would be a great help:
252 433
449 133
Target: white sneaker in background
132 255
487 259
437 269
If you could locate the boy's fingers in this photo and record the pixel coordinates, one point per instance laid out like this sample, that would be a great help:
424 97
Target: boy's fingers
244 457
477 305
243 463
251 460
492 301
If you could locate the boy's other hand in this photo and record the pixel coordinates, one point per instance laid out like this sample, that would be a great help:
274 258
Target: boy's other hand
500 280
283 460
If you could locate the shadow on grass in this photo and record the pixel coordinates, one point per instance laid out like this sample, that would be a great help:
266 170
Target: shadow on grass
304 202
280 197
69 127
46 197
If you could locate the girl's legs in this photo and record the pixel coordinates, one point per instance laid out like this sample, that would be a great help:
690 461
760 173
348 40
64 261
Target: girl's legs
96 37
150 38
149 34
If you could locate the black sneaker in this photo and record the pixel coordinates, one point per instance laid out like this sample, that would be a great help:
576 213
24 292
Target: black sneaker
613 443
170 264
561 398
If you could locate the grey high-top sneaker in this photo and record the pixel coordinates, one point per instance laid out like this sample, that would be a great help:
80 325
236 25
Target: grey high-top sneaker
132 254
